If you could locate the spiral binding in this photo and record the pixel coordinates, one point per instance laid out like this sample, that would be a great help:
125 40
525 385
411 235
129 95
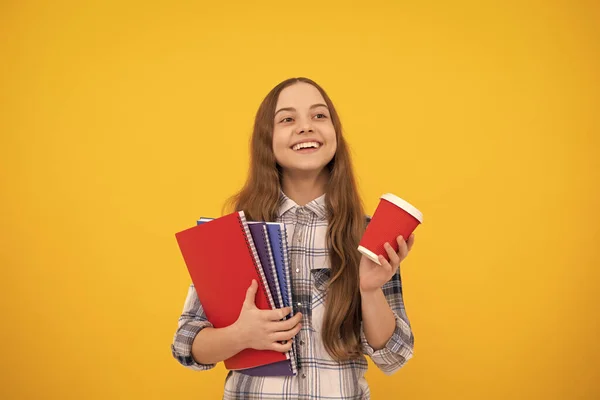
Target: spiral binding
250 245
284 260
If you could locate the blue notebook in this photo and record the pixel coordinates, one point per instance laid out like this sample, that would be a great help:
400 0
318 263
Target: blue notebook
278 240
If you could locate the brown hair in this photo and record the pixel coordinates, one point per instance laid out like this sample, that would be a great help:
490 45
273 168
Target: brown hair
259 199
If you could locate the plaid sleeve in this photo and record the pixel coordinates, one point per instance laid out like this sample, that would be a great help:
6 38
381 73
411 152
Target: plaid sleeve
191 321
399 349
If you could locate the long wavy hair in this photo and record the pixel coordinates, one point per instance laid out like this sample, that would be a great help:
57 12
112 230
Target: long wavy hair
259 199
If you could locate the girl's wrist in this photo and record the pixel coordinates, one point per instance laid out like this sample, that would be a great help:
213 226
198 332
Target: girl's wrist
369 292
237 338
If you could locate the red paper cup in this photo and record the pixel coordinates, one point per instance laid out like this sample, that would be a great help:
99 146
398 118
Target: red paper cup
392 218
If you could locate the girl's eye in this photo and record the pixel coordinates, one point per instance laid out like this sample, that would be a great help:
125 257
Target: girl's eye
287 119
321 116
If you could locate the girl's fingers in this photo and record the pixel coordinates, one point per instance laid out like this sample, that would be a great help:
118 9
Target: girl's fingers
282 348
402 248
287 324
394 258
385 264
251 295
411 241
287 335
277 314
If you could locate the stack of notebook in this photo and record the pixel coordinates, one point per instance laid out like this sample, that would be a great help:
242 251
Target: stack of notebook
222 256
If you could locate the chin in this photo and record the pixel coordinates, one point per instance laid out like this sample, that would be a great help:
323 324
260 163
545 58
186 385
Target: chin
307 168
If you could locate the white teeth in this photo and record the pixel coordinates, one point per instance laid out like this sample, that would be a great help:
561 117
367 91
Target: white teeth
305 145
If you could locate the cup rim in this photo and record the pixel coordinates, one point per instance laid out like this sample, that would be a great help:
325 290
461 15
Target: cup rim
369 254
405 205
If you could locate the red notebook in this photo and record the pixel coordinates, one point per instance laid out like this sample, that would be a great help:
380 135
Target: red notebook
222 261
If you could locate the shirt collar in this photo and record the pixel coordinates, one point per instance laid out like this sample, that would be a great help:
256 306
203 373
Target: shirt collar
316 206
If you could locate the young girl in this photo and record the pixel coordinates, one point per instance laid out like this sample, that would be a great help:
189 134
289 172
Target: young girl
346 306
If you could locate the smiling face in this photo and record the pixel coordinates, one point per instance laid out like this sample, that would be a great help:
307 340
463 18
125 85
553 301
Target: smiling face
304 139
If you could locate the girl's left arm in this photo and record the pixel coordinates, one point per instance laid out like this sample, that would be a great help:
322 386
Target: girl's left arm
386 335
385 323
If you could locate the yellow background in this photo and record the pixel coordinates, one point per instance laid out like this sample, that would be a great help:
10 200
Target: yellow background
122 122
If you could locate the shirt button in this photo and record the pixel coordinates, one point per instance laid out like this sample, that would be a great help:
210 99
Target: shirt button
297 269
303 376
301 342
299 304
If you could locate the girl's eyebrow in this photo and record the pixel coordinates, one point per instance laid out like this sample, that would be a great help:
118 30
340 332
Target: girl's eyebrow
293 109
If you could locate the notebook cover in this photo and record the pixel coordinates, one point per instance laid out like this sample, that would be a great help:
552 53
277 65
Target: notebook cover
221 258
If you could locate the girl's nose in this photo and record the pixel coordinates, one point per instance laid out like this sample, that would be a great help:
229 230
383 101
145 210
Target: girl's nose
304 128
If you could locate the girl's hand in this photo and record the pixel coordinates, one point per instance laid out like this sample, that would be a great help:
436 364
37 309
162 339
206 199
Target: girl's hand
373 276
264 329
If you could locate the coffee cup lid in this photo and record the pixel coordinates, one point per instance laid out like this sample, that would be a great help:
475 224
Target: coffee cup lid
405 205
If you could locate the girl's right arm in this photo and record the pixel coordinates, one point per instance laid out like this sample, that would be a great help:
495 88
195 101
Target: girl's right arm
254 328
213 345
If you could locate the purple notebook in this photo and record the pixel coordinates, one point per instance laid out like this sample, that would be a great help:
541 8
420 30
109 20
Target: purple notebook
258 230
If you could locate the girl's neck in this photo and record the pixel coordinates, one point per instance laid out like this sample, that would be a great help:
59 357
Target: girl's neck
304 188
